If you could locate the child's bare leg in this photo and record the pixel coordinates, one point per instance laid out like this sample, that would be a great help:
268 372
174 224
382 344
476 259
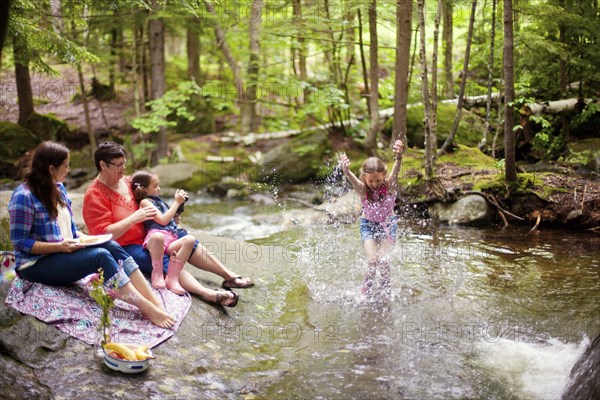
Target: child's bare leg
385 269
156 248
372 261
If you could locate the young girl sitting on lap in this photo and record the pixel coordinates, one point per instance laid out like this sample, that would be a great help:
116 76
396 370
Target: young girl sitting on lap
146 189
378 223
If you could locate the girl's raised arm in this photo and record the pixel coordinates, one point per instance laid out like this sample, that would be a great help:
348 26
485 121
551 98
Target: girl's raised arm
392 180
356 183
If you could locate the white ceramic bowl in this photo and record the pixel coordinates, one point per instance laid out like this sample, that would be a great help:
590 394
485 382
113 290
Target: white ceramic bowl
126 366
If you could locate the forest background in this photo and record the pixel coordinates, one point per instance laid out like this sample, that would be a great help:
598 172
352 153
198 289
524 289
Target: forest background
516 80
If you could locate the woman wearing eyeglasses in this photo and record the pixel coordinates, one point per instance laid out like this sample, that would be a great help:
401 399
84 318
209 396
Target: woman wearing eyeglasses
109 206
48 247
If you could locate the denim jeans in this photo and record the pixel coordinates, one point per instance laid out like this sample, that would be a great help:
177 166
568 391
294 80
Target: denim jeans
379 231
61 269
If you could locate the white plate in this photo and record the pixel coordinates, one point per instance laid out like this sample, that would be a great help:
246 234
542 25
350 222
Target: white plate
97 239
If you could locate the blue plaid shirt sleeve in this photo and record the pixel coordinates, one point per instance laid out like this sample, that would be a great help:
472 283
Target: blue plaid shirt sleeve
21 213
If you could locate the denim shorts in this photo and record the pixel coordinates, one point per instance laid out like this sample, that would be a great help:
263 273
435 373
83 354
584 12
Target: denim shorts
379 231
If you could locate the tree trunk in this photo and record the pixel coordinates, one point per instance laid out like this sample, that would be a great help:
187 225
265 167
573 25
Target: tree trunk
302 52
363 61
84 98
156 33
224 47
248 114
463 82
350 35
425 90
4 11
434 84
403 36
86 110
112 62
371 139
23 81
447 34
510 164
412 57
143 70
563 79
193 50
490 66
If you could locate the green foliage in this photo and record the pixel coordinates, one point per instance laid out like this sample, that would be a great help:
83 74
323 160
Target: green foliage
35 36
105 298
173 102
550 146
5 243
590 111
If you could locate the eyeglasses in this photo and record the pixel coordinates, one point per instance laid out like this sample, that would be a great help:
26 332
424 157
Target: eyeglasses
120 165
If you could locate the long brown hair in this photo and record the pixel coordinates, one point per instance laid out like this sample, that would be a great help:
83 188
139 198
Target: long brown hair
140 181
372 165
38 178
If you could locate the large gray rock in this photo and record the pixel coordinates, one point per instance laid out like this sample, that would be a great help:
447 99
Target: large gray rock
199 361
467 210
297 160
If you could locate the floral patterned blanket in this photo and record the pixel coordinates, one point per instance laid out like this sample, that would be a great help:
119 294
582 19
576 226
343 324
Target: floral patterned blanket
73 311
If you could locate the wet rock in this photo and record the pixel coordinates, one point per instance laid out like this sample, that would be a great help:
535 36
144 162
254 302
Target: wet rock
170 174
40 362
584 381
467 210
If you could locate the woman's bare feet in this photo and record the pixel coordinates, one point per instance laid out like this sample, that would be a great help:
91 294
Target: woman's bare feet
158 316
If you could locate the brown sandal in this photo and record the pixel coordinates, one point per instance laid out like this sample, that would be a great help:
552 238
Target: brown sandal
221 298
231 283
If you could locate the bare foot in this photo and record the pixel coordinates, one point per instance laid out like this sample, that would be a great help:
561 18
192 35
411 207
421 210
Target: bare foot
155 300
159 317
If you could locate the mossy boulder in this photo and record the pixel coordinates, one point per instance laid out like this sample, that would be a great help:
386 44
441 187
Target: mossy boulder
584 153
296 161
204 121
469 130
16 141
48 127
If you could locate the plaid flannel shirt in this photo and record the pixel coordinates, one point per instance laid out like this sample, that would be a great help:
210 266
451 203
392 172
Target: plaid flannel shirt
31 222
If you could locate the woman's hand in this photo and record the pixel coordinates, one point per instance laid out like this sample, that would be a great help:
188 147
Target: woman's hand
69 246
143 214
180 196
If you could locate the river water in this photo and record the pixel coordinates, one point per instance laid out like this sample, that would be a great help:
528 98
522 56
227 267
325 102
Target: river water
474 313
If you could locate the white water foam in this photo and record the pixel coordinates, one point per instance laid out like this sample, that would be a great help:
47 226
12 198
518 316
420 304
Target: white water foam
539 370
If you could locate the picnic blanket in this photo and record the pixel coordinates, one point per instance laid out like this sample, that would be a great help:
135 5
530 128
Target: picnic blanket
73 311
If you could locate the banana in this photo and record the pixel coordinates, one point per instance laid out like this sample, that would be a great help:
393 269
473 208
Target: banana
141 353
122 349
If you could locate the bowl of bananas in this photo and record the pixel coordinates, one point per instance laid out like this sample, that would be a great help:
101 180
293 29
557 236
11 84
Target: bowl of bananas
127 357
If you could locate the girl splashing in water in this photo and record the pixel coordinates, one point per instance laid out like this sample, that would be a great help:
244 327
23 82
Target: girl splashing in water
378 223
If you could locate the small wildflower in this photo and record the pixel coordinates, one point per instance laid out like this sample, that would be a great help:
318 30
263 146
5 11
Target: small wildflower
105 298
